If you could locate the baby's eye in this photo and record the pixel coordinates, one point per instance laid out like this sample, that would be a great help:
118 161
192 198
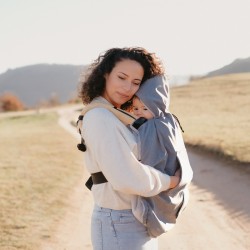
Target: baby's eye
135 109
145 109
121 77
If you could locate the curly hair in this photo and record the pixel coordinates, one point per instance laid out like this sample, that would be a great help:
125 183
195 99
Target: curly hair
93 83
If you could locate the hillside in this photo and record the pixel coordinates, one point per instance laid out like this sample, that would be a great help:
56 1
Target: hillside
237 66
214 113
37 83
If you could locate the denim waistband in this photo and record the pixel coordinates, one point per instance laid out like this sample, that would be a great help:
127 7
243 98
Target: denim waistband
109 210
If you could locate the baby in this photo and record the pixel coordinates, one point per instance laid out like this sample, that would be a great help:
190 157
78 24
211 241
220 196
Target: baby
161 146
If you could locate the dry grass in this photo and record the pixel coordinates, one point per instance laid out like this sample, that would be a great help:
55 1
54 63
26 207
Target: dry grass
215 114
39 167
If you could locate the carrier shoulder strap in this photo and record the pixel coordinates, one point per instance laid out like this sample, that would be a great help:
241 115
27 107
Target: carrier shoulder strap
122 115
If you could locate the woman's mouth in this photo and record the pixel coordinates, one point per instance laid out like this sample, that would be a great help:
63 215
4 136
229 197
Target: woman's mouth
123 95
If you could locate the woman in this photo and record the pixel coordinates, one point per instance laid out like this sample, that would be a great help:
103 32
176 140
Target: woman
113 80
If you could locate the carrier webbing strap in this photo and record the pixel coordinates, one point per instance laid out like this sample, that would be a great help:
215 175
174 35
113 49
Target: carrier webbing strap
95 178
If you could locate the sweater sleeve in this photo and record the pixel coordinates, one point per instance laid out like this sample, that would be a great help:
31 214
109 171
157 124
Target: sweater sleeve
105 140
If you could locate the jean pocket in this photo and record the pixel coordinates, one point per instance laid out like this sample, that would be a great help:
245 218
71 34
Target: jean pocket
127 218
127 223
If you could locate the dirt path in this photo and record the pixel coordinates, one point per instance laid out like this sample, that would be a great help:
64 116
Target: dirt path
217 217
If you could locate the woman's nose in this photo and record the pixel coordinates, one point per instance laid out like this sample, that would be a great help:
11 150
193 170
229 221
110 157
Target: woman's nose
127 86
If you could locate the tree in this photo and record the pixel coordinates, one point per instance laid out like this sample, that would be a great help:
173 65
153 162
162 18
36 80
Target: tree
10 102
53 100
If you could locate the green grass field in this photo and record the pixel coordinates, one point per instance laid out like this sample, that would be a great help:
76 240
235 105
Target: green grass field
39 167
215 114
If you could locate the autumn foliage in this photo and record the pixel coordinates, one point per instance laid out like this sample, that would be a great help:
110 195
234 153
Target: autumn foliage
10 102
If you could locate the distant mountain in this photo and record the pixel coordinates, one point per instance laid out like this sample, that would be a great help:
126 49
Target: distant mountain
37 83
237 66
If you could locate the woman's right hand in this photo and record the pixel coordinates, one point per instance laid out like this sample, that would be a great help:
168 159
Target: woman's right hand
174 180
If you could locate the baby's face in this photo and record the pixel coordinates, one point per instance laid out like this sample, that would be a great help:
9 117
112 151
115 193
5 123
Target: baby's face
140 110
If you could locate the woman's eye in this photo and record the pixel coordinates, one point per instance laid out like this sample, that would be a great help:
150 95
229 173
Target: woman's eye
121 77
137 83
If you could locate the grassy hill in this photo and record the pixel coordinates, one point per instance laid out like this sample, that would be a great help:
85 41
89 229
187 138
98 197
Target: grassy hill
237 66
215 114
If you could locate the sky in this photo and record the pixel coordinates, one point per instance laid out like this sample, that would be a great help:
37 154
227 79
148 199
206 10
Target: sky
189 36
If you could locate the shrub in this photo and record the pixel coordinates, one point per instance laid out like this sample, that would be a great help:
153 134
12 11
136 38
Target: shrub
10 102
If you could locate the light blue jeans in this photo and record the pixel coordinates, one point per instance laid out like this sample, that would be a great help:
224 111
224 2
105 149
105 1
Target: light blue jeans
119 230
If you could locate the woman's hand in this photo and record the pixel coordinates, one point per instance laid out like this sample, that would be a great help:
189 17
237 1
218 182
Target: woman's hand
174 180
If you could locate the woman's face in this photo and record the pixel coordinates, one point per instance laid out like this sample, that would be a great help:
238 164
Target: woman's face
123 81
